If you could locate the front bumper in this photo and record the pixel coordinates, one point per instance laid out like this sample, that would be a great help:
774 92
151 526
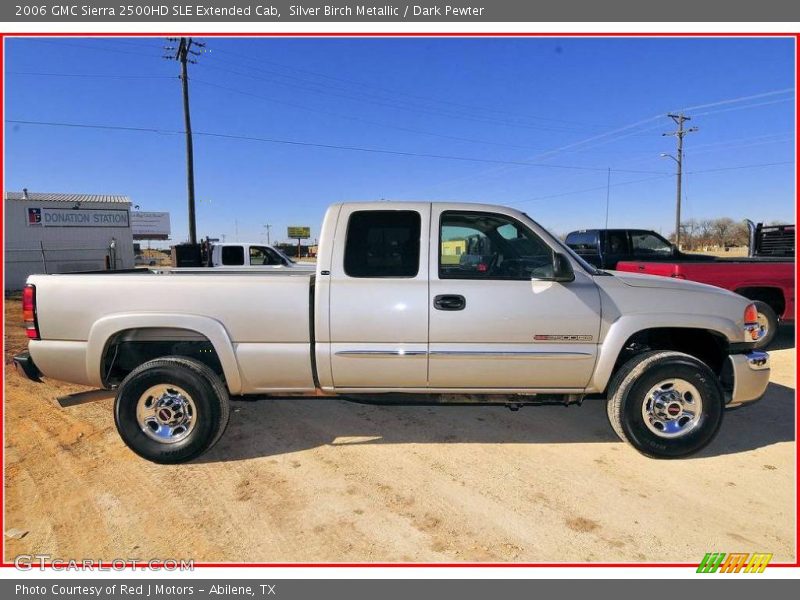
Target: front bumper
750 373
24 365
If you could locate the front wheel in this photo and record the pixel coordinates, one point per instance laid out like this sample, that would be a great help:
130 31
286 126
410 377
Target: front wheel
171 410
665 404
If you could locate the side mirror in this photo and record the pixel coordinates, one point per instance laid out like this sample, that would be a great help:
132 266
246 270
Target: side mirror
562 268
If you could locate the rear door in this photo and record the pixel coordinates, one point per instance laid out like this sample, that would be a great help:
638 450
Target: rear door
493 325
379 297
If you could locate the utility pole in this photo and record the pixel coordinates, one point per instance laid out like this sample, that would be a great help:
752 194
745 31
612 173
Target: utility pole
268 227
608 194
679 119
183 51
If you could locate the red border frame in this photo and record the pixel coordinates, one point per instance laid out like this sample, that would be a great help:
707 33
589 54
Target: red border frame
107 566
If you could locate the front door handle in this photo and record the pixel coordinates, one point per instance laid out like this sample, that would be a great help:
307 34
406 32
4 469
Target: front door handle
449 302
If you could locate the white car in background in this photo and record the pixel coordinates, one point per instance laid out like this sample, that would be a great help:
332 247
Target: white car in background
250 254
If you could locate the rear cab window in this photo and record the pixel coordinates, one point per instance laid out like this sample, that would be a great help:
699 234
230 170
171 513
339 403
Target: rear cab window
383 243
584 242
233 256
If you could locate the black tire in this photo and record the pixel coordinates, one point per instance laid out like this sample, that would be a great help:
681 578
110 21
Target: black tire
629 390
767 313
210 411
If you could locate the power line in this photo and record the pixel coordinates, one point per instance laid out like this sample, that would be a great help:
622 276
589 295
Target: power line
91 47
91 75
737 99
614 134
745 107
277 101
394 91
645 179
397 105
359 119
739 167
322 145
592 189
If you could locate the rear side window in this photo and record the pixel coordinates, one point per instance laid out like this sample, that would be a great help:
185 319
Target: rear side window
617 242
382 243
232 255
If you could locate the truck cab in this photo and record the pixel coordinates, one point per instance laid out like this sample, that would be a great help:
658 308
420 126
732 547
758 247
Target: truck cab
604 248
248 254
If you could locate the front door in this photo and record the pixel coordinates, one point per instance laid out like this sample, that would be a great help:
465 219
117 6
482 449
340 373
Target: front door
495 322
379 297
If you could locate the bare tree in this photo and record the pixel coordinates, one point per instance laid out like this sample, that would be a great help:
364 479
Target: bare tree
704 229
722 229
689 233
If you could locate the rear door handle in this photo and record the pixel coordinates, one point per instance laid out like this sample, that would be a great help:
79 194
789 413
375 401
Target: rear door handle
449 302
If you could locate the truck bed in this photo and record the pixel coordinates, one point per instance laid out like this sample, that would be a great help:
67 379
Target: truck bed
263 318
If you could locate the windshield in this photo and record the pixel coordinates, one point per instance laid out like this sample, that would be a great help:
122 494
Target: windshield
283 256
567 250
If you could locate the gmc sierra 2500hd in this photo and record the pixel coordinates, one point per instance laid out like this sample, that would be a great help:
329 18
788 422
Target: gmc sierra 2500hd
410 303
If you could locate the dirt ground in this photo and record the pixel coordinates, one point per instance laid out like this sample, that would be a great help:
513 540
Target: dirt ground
326 480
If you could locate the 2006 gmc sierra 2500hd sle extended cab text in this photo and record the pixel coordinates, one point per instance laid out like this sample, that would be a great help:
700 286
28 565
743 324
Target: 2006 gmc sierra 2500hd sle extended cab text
410 303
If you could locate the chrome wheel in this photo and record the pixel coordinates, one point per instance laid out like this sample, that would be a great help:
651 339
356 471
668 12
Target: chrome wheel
166 413
672 408
763 325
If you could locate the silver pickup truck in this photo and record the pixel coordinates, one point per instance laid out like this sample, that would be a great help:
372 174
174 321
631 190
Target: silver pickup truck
409 303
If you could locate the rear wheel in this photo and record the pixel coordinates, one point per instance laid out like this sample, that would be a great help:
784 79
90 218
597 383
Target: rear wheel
171 410
665 404
767 324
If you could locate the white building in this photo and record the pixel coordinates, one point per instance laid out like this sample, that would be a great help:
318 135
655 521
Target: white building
60 233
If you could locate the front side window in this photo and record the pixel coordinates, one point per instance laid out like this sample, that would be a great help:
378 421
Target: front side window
648 244
475 245
263 256
382 243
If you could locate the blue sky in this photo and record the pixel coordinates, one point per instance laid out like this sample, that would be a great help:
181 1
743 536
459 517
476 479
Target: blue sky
572 107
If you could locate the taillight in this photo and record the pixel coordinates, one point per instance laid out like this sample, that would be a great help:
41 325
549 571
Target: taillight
752 331
29 312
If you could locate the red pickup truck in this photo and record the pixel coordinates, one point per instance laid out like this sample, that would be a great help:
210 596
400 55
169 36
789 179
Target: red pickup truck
767 281
766 276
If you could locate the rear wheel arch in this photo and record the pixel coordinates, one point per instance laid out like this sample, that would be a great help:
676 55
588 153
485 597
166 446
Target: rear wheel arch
199 338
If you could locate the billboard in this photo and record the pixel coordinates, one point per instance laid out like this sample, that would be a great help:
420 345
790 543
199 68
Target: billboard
298 233
150 225
81 217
